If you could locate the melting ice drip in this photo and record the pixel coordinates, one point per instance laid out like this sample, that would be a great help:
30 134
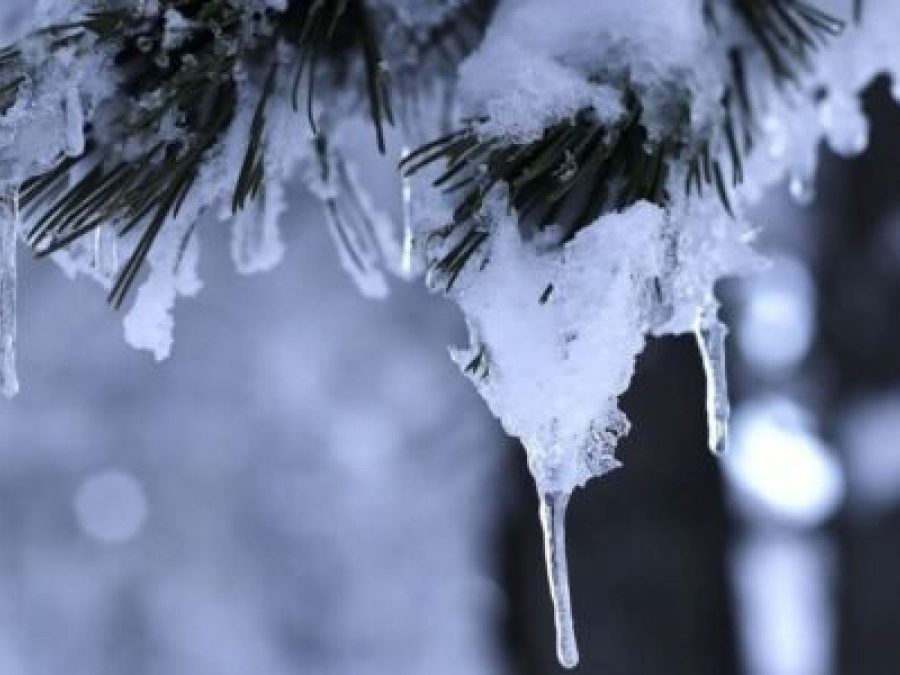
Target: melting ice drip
553 521
9 232
711 333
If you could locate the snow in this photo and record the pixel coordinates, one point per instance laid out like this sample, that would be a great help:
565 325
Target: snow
542 62
558 366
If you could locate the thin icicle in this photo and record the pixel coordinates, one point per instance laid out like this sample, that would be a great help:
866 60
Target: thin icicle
710 334
353 224
9 232
106 252
74 122
553 521
406 259
256 244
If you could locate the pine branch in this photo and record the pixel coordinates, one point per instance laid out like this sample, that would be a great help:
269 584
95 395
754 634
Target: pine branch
578 170
195 85
788 32
333 31
581 169
192 84
438 50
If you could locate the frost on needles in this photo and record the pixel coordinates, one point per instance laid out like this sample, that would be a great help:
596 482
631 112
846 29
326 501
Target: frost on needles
575 177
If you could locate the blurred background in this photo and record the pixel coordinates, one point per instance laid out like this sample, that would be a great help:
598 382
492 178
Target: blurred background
308 486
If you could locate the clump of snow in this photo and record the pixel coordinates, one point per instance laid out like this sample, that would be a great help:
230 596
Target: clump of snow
542 62
562 329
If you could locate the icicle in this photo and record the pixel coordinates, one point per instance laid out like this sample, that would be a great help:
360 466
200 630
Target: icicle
710 334
553 521
256 244
9 232
106 252
74 122
354 226
406 259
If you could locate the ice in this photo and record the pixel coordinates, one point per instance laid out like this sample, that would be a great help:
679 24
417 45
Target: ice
358 231
74 122
406 195
9 233
710 334
557 361
256 244
149 324
106 253
553 522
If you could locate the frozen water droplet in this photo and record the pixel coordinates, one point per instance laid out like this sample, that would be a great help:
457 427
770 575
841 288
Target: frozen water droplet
710 334
803 190
553 522
9 232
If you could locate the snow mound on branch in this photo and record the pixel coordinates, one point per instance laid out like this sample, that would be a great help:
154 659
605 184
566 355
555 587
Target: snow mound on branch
542 62
561 330
555 333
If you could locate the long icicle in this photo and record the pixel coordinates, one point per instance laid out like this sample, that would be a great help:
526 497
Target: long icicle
406 261
9 233
710 334
553 521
